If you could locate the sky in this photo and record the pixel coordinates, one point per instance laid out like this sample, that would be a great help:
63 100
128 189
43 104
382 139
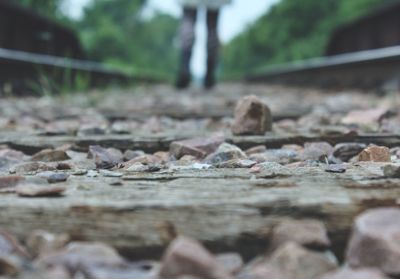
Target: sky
234 18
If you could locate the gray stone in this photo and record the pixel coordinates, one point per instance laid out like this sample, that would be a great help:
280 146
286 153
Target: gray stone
374 241
252 117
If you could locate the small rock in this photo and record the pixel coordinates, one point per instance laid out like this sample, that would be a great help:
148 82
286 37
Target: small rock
335 168
316 150
130 154
12 154
116 182
252 117
375 154
10 181
256 149
391 171
225 152
311 234
35 190
365 117
268 166
107 173
77 255
89 130
133 271
237 163
79 172
232 262
363 273
374 241
346 151
92 173
282 156
53 177
105 158
32 167
49 155
296 262
185 256
146 159
197 147
42 242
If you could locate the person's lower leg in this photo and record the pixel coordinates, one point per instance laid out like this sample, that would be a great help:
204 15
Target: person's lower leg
212 48
187 38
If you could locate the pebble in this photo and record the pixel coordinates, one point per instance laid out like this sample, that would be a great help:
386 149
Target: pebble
251 117
188 257
237 163
107 173
296 262
311 234
105 158
35 190
92 173
32 167
197 147
225 152
335 168
375 154
374 241
392 171
346 151
49 155
9 181
53 177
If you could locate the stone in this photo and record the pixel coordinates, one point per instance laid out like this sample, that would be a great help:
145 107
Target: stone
237 163
36 190
296 262
32 167
185 256
42 242
346 151
311 234
375 154
146 159
335 168
392 171
365 117
49 155
256 149
374 241
107 173
225 152
282 156
12 254
9 181
197 147
363 273
105 158
12 154
232 262
132 154
251 117
77 255
90 130
124 272
316 151
53 177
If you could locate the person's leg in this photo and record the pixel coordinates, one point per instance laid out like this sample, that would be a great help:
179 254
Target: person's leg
187 37
212 47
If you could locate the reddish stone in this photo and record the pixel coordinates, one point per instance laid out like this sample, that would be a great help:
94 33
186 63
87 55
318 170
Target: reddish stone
232 262
252 117
375 154
49 155
308 233
256 149
316 150
10 181
375 241
197 147
35 190
296 262
185 256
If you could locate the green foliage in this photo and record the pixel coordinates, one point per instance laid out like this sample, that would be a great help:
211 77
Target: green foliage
114 31
291 30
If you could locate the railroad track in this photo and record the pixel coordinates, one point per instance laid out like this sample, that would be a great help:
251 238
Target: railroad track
370 69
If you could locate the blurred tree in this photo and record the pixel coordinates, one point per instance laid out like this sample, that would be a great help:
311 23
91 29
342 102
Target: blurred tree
115 31
49 8
291 30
